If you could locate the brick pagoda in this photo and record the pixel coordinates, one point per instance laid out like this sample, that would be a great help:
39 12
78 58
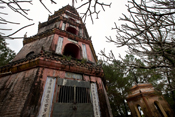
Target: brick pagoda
55 73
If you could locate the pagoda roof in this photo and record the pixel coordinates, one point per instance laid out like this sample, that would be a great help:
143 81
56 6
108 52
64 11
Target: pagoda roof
63 9
54 61
139 90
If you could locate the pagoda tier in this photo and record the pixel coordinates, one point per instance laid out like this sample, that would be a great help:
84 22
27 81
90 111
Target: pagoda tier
143 100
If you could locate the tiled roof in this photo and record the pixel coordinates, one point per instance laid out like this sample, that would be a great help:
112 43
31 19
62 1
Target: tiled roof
49 56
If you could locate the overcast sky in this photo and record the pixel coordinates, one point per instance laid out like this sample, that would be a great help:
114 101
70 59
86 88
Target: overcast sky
98 30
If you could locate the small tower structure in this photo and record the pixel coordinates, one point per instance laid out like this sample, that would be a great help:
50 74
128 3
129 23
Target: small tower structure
143 100
56 73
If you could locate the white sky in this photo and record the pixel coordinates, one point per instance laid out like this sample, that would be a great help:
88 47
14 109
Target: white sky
98 30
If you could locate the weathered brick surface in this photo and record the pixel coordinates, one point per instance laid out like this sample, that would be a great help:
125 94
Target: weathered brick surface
14 91
3 81
35 46
34 98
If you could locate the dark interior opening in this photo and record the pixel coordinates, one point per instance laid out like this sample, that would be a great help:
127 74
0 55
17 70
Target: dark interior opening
157 107
30 54
72 30
71 50
72 19
69 94
140 110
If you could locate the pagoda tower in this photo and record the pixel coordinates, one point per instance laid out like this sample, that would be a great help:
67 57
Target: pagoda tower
56 73
144 101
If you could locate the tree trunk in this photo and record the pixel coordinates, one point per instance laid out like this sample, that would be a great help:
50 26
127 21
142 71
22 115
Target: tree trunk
126 111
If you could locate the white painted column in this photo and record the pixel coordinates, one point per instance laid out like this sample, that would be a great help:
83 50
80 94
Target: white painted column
59 45
84 51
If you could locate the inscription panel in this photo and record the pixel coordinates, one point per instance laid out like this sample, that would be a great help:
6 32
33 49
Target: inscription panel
95 100
46 102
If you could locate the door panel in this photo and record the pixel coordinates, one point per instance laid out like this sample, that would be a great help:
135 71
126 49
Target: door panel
72 110
73 99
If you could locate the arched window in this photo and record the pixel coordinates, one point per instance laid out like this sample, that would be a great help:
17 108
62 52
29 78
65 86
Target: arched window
159 108
72 50
72 19
71 30
30 54
139 111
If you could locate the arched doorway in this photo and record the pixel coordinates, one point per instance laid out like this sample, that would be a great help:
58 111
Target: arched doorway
72 50
139 111
160 109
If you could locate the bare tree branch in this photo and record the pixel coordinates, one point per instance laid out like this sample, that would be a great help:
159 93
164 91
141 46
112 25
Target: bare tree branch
148 32
9 36
92 9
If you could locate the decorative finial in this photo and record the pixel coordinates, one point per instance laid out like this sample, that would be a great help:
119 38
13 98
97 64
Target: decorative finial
72 3
25 35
